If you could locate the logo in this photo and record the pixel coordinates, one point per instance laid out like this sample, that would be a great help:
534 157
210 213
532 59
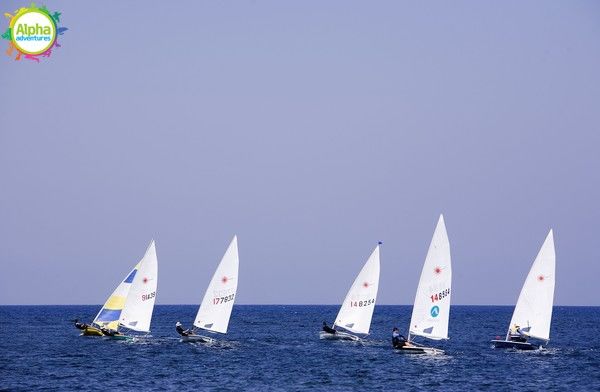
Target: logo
32 32
435 311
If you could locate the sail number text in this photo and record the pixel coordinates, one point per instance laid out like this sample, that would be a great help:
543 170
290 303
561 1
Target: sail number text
358 304
146 297
221 300
440 296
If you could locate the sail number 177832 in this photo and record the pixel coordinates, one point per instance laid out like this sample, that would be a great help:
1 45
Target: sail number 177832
221 300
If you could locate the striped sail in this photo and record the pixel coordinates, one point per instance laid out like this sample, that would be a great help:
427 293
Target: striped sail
109 315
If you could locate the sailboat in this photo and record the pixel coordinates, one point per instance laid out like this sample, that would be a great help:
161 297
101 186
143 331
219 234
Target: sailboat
533 312
131 304
217 304
431 310
354 317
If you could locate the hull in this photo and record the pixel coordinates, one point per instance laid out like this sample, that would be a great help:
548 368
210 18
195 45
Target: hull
91 331
419 350
515 345
119 337
338 336
197 339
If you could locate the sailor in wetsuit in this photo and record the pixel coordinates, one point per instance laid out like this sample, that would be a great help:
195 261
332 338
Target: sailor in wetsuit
328 329
518 335
79 325
180 330
108 331
398 340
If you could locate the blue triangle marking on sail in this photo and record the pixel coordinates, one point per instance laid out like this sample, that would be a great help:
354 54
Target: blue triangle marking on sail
428 330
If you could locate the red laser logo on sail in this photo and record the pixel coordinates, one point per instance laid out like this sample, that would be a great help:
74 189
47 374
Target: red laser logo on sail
541 278
437 270
224 279
366 285
145 280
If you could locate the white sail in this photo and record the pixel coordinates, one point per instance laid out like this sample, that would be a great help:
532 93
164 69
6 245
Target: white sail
533 312
217 304
431 311
357 310
137 313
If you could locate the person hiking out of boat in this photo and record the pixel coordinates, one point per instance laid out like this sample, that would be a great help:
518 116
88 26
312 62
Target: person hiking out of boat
518 335
108 331
180 330
79 325
397 339
328 329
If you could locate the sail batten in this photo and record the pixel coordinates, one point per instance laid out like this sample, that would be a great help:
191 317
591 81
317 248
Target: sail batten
356 311
431 310
215 310
533 311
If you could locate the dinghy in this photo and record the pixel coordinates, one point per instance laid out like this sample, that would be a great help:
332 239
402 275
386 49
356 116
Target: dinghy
131 304
431 310
533 312
354 317
217 304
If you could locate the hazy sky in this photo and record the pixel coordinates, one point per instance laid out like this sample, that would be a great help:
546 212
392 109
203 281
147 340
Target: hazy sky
311 130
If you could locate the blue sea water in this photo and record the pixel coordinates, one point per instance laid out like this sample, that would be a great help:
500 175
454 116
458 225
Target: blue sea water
277 348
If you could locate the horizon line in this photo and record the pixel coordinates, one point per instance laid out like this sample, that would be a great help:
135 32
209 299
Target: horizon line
195 304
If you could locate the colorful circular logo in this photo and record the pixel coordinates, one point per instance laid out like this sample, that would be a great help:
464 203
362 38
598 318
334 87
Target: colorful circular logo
435 311
33 32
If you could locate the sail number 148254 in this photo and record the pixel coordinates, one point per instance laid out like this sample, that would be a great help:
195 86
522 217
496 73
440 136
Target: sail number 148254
440 296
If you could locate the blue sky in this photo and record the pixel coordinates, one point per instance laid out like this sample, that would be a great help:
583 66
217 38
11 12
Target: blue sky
311 130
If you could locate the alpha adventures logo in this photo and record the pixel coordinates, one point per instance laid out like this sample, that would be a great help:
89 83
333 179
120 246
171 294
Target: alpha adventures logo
32 32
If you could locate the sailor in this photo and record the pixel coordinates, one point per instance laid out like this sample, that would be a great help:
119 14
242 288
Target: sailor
518 335
398 340
328 329
79 325
108 331
181 331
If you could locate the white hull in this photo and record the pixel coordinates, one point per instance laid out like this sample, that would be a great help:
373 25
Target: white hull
338 336
197 339
420 350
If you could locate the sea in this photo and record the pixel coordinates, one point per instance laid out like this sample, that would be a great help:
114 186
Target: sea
277 348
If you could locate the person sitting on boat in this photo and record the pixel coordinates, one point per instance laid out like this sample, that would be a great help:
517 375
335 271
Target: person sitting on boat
180 330
518 335
79 325
108 331
398 340
328 329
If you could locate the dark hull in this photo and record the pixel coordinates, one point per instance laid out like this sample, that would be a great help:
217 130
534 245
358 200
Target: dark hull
515 345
